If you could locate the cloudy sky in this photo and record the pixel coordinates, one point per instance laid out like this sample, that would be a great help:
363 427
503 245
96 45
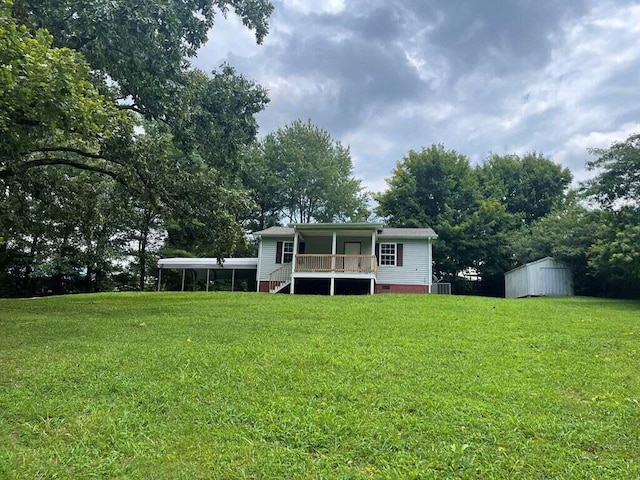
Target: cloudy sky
479 76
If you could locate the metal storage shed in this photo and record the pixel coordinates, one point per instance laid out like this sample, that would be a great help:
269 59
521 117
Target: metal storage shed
543 277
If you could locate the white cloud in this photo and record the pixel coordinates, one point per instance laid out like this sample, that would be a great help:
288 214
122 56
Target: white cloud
315 6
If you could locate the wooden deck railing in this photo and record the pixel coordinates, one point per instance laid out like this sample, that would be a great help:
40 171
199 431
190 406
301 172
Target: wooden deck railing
336 263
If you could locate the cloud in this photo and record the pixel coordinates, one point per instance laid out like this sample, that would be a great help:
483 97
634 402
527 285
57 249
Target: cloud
476 75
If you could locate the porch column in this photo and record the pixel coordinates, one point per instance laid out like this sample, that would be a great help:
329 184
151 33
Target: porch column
295 252
372 287
332 286
293 262
334 248
233 279
259 263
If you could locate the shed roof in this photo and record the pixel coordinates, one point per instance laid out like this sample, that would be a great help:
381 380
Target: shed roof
535 262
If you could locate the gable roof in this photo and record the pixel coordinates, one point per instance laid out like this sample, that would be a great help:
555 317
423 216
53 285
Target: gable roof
275 232
407 233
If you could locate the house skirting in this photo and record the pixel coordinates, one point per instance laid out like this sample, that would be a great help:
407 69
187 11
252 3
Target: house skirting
395 288
379 288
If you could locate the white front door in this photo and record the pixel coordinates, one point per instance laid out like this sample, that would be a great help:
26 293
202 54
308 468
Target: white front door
352 264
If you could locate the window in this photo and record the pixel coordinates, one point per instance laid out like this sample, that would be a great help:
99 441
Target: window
388 254
287 252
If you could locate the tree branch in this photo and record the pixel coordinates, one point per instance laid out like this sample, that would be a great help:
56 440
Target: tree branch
40 162
77 151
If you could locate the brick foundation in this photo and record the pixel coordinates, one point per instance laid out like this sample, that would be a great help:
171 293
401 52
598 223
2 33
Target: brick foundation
381 288
264 287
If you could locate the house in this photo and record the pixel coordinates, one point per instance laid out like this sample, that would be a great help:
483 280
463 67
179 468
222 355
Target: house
543 277
344 258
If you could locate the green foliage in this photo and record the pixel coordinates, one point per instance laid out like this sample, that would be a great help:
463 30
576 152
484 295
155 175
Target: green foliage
74 78
238 385
50 112
300 174
614 254
529 186
618 179
143 47
567 234
475 212
434 188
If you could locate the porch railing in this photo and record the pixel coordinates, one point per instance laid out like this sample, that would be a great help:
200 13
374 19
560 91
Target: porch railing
280 278
336 263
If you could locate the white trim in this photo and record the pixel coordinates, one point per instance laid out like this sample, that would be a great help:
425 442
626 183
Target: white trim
395 255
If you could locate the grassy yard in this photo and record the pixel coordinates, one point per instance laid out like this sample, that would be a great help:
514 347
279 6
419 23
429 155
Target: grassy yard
221 385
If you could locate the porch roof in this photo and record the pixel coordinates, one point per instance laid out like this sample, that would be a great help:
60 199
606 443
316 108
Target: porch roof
345 228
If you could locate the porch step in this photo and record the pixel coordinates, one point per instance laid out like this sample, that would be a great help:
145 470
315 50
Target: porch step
279 287
280 278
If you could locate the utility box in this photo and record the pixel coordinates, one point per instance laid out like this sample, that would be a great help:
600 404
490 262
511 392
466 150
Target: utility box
544 277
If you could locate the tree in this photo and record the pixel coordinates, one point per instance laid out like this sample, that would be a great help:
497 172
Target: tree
75 79
529 186
50 112
617 181
300 174
568 234
616 189
139 50
434 188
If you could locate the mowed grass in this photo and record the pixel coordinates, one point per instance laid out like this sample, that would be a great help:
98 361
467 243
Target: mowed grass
223 385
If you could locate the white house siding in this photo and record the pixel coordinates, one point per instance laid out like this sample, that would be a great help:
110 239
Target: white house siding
268 259
546 276
416 264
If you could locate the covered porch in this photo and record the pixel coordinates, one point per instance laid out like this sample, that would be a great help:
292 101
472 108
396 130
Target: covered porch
334 252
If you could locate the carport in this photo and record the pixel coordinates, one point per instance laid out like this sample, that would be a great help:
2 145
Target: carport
205 272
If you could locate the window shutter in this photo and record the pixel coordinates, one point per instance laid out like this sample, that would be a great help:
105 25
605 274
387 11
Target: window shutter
399 252
279 252
377 254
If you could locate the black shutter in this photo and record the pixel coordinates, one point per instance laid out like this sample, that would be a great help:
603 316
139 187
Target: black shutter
279 252
378 254
399 252
301 248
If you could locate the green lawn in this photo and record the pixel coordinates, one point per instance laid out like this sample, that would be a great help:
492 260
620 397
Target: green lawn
232 385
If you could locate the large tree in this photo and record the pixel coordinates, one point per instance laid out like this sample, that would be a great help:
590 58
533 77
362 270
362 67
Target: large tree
529 186
617 179
300 174
436 188
615 255
75 79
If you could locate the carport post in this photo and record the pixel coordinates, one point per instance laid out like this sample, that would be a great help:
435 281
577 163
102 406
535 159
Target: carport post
207 279
159 279
233 278
183 271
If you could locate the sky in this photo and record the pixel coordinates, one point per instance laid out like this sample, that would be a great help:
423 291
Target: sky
478 76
